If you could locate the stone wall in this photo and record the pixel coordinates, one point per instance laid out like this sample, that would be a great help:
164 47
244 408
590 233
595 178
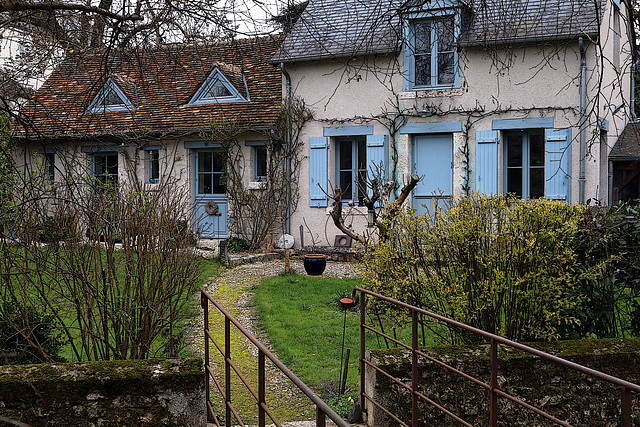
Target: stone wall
571 396
111 393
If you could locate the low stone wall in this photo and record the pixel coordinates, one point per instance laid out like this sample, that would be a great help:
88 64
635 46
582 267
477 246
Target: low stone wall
566 394
112 393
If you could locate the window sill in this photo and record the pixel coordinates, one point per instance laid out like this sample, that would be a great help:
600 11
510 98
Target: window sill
431 93
257 185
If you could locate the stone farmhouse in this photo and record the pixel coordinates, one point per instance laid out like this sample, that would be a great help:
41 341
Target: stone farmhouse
525 97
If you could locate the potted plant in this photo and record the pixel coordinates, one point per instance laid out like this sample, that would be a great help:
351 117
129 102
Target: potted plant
314 263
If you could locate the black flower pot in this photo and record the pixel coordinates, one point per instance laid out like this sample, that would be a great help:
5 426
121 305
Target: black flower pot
314 264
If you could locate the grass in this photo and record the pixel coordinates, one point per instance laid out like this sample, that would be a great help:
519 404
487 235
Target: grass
65 309
304 322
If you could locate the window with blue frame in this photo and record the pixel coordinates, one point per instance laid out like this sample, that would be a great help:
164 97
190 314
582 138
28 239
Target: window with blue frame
217 89
50 166
430 54
351 168
260 163
524 164
105 167
110 98
153 166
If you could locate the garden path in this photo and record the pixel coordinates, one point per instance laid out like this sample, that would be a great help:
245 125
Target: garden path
232 289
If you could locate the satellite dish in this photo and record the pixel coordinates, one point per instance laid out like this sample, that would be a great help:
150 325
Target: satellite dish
285 241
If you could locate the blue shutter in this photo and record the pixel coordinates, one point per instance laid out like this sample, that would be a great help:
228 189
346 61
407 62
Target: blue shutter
557 164
487 161
318 149
377 153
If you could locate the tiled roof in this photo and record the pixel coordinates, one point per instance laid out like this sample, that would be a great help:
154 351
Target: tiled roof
160 82
628 144
334 28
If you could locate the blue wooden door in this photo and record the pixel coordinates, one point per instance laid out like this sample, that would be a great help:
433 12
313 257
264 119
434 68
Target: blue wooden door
433 161
211 203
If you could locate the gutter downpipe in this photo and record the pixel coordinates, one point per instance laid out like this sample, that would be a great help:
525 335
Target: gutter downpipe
583 119
287 77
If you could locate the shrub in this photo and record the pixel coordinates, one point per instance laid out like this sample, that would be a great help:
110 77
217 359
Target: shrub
607 273
28 336
499 264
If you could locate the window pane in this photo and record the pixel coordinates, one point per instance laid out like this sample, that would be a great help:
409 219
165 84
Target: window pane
219 183
362 155
514 181
514 150
423 70
536 150
346 161
445 35
112 164
446 68
423 37
112 98
218 161
218 90
154 166
50 168
536 183
204 184
261 162
204 161
345 184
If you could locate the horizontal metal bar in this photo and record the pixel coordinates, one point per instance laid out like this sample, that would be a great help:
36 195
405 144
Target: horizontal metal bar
301 385
243 379
452 369
391 377
532 408
502 340
443 409
408 347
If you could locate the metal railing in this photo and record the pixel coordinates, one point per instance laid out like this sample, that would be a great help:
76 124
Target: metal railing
493 387
322 409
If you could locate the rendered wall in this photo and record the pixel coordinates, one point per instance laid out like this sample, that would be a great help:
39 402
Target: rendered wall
501 82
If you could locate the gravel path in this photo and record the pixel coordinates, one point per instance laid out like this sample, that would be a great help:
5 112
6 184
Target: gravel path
232 290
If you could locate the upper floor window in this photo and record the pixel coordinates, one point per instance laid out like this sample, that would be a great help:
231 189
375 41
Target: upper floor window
430 54
110 98
217 88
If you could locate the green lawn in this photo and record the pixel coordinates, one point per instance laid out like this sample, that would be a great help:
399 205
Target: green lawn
304 322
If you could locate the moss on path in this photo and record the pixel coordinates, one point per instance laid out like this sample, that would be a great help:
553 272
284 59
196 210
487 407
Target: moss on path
232 290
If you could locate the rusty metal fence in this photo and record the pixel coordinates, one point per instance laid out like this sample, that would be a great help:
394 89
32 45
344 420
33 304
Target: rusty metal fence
626 388
224 390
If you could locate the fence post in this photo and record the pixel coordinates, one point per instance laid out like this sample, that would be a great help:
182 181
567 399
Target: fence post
227 370
363 304
626 407
261 389
204 302
414 368
493 411
320 418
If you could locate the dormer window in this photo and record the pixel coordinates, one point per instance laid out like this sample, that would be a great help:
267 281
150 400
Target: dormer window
430 55
110 98
217 88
